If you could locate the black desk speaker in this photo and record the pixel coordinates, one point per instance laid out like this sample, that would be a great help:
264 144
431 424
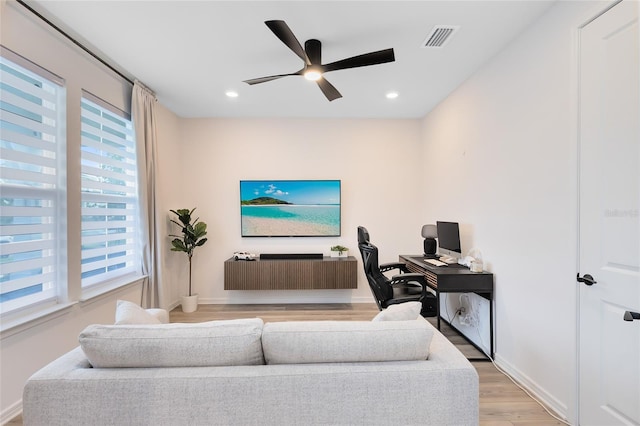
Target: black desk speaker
430 233
430 247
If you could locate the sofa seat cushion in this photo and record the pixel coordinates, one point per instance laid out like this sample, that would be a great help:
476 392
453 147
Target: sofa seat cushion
303 342
213 343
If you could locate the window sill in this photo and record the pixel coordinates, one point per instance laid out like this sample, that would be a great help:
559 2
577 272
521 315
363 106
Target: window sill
24 321
21 321
99 291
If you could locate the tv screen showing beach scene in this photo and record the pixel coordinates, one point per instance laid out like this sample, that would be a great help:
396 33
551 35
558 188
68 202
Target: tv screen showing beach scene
290 208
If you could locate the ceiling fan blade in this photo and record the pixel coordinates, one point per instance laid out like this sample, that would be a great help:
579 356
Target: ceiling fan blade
373 58
284 33
327 88
270 78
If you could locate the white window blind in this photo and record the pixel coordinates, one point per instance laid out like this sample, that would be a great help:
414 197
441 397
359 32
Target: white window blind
109 193
32 191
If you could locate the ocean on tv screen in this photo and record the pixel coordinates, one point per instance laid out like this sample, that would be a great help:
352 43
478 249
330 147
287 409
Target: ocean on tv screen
290 220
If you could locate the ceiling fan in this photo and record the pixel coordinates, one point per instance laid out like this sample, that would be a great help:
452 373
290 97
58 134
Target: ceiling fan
313 68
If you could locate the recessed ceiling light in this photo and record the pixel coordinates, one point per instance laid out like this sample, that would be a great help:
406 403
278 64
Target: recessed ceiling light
231 94
392 95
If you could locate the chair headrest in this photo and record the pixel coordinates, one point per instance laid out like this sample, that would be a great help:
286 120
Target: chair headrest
363 235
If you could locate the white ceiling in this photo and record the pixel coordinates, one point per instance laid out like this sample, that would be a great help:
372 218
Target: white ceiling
191 52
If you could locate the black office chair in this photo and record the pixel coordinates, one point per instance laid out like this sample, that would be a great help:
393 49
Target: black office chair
400 288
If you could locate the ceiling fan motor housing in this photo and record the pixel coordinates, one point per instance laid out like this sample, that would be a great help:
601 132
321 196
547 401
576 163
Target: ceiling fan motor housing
313 48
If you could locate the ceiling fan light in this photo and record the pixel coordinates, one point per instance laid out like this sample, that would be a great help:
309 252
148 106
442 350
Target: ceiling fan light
231 94
312 75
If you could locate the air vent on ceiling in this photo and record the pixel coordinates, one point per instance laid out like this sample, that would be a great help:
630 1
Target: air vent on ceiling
439 36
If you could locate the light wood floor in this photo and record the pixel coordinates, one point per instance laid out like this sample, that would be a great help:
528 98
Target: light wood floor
501 402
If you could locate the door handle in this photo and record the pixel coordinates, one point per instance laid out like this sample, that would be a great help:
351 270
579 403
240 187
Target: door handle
630 316
587 279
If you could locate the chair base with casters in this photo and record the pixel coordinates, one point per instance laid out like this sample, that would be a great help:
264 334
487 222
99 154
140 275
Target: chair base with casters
400 288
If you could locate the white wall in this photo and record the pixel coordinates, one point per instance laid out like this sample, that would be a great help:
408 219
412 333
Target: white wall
377 161
504 146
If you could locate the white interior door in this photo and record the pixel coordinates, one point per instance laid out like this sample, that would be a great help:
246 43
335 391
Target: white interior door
609 349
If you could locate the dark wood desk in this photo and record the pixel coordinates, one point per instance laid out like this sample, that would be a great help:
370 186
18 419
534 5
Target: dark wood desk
454 279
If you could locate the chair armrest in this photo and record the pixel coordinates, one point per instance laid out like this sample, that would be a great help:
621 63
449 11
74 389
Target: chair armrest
410 277
384 267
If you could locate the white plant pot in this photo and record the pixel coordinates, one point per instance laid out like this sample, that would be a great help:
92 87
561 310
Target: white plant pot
338 254
189 303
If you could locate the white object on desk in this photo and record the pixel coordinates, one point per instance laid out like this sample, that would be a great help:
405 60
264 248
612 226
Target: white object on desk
435 262
448 260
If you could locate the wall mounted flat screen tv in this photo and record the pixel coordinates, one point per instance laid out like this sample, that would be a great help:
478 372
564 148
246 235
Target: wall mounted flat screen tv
290 208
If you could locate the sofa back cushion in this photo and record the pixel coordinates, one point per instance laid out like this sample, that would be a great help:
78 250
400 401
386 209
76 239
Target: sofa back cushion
303 342
213 343
400 312
130 313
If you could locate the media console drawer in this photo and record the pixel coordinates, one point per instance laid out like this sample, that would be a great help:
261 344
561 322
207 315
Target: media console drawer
286 274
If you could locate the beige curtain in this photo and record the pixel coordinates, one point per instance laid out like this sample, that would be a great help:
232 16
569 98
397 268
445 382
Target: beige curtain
143 102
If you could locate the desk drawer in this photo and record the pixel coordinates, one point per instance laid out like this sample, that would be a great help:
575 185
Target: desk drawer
432 279
452 278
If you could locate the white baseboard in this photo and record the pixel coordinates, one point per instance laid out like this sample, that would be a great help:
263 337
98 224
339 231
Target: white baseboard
262 299
532 387
11 412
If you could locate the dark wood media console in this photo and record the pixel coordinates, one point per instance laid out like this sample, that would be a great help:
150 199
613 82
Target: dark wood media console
291 274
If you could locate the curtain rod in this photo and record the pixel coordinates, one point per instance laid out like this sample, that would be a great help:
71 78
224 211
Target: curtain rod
74 41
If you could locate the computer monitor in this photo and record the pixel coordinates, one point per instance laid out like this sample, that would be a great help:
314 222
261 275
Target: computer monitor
449 239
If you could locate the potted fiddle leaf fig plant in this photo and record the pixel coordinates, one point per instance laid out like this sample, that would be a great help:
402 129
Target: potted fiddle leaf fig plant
193 235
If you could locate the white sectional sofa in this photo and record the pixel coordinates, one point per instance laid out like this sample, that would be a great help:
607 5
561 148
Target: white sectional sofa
244 372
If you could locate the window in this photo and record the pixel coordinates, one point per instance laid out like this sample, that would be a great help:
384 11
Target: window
109 193
32 200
